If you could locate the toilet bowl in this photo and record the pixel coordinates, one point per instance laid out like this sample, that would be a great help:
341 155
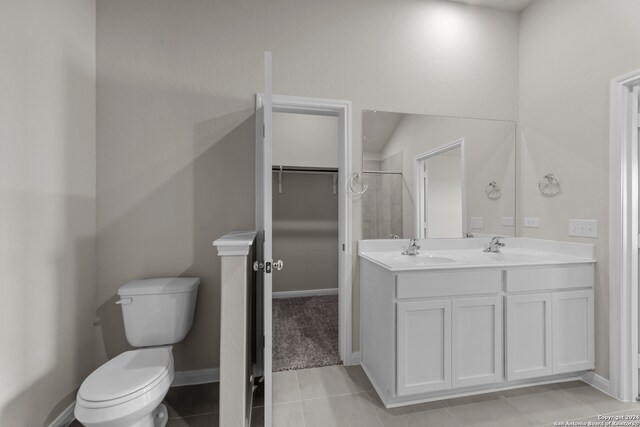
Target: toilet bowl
127 391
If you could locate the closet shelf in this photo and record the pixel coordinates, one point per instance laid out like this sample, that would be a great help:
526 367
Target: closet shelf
305 226
302 169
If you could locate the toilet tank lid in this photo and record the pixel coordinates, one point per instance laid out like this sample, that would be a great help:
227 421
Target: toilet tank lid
159 285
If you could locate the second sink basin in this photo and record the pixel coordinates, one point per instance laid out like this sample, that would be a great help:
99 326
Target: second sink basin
421 259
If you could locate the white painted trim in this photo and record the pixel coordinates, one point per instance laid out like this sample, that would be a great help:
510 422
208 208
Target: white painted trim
300 294
596 381
623 244
200 376
235 243
264 223
65 418
355 358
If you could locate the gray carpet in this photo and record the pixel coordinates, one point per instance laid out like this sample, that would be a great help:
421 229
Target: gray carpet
305 332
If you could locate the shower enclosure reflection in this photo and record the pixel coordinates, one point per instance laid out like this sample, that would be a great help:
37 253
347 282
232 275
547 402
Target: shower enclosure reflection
382 202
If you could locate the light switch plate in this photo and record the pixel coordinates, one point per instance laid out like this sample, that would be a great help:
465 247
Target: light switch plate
583 228
508 221
477 222
531 222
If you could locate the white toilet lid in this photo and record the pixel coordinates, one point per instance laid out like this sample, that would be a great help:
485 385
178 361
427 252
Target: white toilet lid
126 374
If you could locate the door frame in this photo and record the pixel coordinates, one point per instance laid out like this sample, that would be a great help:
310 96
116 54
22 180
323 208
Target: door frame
418 176
623 244
342 110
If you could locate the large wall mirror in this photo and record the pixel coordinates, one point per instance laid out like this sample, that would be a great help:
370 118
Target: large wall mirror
437 177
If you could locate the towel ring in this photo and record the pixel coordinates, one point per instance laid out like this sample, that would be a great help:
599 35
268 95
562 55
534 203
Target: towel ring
492 191
549 185
358 184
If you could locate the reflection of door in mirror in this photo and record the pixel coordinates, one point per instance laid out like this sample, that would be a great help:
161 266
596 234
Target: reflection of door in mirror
440 192
489 153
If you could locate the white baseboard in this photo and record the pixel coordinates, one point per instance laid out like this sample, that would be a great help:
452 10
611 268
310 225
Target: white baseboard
355 358
65 418
310 293
200 376
596 381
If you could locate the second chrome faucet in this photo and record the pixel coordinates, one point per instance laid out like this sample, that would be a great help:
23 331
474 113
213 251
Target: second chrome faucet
413 247
494 245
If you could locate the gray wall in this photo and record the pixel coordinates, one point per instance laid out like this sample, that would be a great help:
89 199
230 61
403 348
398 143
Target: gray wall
305 232
569 52
47 206
175 126
305 140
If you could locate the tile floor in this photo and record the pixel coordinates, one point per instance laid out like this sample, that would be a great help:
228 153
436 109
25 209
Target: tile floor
194 406
343 396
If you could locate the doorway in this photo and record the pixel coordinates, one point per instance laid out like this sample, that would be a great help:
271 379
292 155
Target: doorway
266 105
624 381
305 236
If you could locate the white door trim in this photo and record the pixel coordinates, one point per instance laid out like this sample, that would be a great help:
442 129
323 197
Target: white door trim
623 244
342 110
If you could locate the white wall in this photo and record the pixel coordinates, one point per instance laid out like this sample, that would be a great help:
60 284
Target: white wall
47 206
569 51
176 90
305 140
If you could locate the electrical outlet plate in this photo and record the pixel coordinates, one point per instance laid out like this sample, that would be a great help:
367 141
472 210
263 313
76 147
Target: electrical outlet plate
583 228
531 222
508 221
476 222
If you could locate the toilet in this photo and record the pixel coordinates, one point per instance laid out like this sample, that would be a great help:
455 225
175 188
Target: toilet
128 390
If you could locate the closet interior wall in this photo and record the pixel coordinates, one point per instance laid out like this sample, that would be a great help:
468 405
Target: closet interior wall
305 231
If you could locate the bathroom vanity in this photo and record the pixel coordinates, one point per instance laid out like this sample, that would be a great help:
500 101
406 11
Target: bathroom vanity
454 320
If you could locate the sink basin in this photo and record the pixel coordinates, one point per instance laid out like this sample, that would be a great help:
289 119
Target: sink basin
513 256
419 260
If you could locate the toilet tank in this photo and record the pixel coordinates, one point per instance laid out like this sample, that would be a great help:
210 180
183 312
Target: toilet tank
158 311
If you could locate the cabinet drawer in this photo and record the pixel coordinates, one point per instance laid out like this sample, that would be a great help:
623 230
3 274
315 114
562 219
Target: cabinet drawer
425 285
538 279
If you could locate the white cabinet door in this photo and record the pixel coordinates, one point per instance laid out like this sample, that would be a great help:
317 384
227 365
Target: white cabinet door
573 335
424 346
528 336
476 341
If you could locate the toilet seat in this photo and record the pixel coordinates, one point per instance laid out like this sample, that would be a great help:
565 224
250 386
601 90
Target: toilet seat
126 377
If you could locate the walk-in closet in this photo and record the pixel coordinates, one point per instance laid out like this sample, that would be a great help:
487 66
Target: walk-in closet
305 237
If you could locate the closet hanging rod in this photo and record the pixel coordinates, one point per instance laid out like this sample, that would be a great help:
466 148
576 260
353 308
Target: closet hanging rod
384 172
303 169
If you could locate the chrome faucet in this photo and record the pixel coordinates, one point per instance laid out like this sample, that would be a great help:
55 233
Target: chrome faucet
494 245
413 248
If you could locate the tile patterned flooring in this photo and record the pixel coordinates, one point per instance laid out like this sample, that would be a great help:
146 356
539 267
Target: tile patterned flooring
343 396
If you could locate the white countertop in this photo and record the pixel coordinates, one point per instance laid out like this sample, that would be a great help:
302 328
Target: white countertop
439 254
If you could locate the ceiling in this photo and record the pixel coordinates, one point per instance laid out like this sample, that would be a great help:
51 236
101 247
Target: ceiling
510 5
377 128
